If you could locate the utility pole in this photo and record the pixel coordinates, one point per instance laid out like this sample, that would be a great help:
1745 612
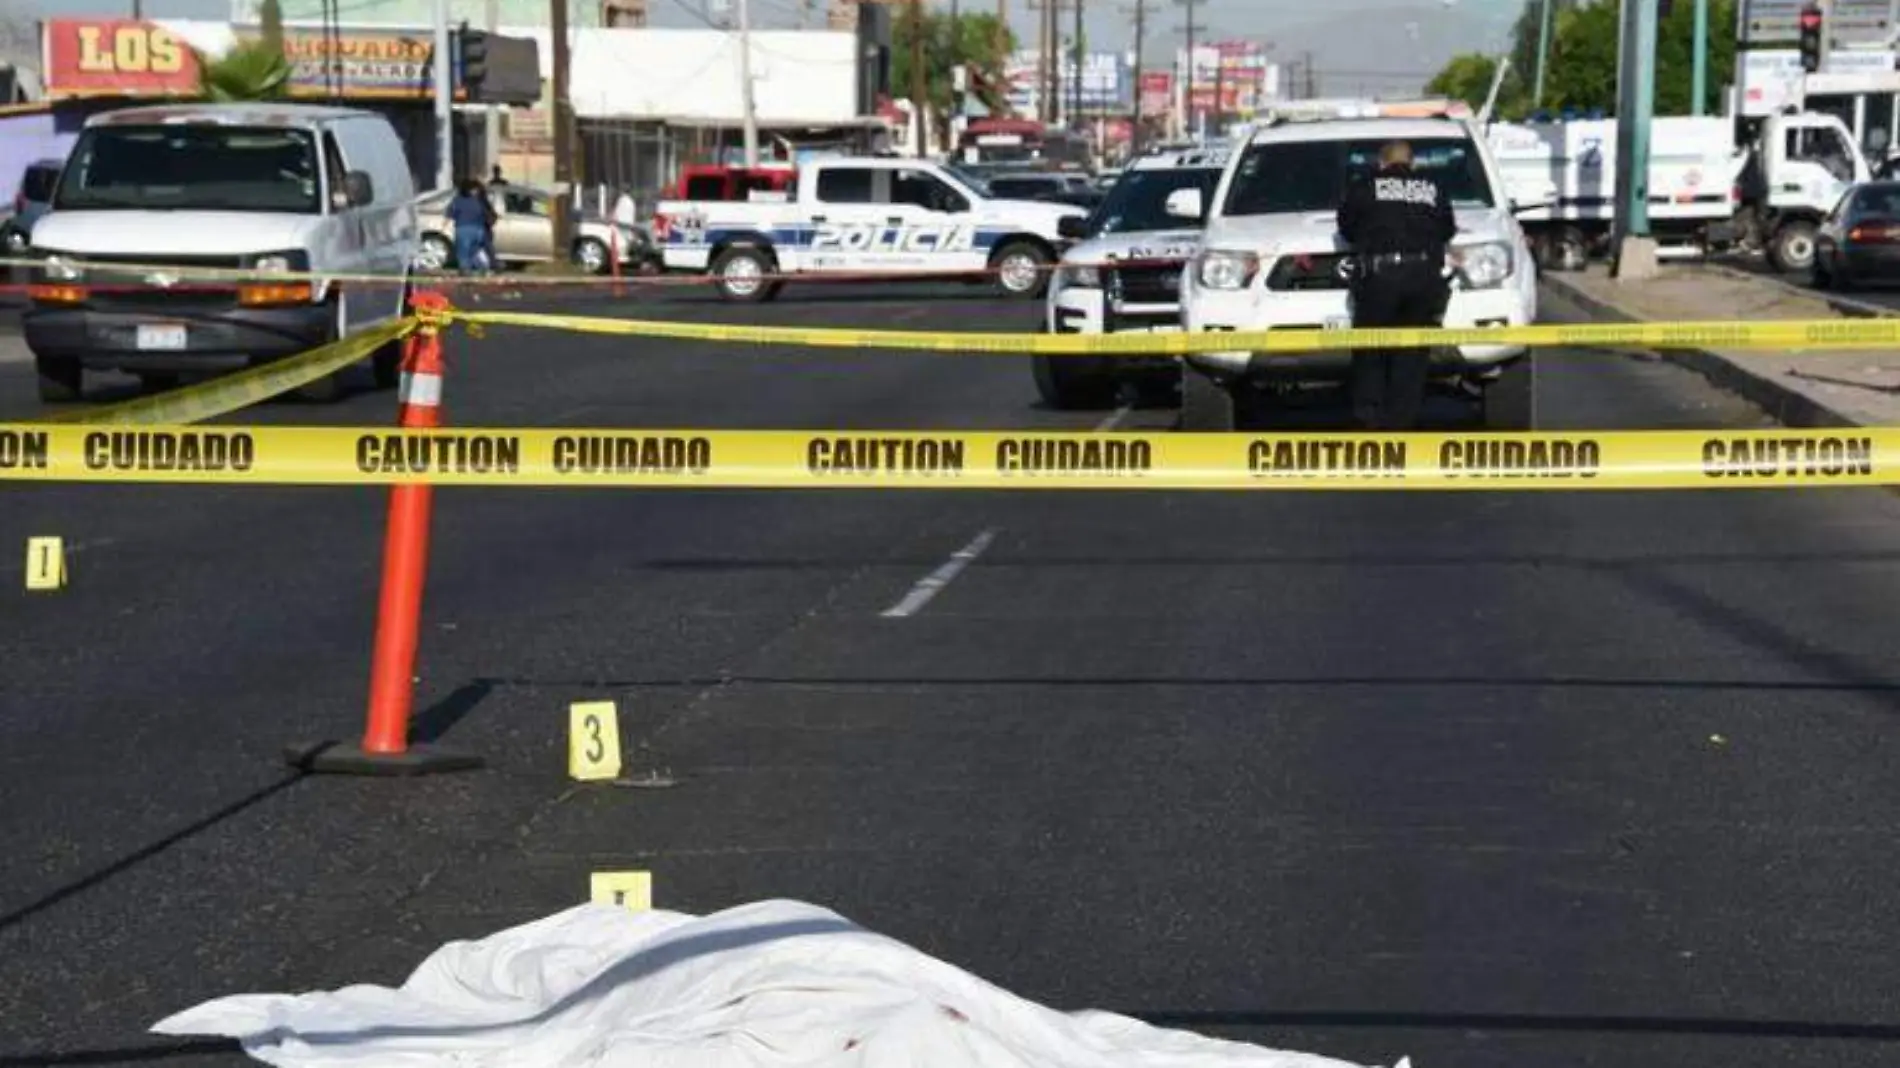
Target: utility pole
747 107
1310 90
1075 50
1636 97
1141 40
1699 80
563 130
444 101
1543 55
1220 87
491 117
919 91
1189 29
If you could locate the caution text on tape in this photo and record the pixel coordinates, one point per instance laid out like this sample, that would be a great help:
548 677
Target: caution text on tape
823 459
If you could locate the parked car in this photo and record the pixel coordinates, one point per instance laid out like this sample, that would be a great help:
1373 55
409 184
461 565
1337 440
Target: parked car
1859 241
1077 189
31 202
524 233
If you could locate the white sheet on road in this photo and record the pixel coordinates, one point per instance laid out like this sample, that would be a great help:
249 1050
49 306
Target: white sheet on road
770 985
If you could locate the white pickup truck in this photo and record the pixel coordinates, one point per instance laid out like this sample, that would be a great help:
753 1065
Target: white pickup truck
865 216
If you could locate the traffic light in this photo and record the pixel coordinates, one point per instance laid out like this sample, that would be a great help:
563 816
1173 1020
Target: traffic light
474 60
1811 38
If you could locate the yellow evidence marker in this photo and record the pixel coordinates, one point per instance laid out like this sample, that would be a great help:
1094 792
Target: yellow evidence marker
625 889
593 741
45 564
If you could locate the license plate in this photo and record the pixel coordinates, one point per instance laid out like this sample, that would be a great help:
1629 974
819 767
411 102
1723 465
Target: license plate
161 336
1339 322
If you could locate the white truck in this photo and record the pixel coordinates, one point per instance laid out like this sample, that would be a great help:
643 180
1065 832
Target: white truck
1705 191
866 216
1271 258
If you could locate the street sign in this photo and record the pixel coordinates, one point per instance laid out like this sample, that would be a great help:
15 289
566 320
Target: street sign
1849 22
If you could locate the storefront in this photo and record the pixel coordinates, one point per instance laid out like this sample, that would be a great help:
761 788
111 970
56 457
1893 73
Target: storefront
384 70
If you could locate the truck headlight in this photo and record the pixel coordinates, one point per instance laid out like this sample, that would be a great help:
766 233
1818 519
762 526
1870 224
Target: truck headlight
1082 276
1485 266
1226 270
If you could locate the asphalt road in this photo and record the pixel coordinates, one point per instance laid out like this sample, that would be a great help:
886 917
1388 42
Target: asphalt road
1488 779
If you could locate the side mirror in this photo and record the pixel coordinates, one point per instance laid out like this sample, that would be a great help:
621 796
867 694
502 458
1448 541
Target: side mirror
1073 227
1185 204
358 189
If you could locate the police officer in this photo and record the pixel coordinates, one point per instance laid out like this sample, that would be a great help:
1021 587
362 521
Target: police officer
1398 224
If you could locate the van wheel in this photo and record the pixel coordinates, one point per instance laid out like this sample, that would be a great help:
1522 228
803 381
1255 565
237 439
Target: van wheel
1074 383
331 387
1022 269
60 379
1510 401
1206 405
742 274
385 365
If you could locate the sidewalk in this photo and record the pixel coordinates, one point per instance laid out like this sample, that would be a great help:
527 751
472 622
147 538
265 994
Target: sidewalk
1799 388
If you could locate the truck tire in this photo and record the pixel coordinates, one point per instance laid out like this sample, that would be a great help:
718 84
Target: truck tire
742 274
1074 383
1792 248
1564 249
61 379
1206 405
1022 269
1510 400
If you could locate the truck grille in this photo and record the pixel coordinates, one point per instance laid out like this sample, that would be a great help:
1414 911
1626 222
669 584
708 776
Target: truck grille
1307 272
131 288
1146 284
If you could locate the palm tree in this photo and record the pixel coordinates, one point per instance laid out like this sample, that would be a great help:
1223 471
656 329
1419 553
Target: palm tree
251 70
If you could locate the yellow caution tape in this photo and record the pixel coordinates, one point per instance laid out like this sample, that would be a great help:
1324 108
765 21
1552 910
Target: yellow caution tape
1781 335
828 459
229 393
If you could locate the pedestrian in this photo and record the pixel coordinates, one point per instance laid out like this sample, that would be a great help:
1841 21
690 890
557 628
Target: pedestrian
468 212
1398 225
489 218
494 176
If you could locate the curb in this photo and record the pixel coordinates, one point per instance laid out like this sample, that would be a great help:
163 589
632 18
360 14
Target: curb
1784 404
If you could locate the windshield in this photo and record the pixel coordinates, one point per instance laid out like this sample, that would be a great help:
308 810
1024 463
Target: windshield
203 167
1139 200
972 178
1307 176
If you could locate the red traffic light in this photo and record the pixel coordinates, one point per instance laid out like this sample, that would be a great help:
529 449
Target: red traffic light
1810 18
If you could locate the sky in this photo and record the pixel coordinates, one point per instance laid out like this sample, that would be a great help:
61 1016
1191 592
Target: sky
1409 38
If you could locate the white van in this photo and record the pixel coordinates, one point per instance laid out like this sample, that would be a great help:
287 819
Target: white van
255 187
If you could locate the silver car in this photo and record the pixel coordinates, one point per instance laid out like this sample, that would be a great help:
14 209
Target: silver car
524 233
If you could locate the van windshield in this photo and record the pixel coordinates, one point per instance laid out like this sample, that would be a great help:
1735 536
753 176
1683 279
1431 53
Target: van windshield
194 167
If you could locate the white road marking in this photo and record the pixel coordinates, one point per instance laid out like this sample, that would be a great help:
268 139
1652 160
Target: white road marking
932 584
1114 419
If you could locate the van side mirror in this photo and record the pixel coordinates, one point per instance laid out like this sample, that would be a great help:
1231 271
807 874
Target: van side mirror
1185 204
1073 227
358 189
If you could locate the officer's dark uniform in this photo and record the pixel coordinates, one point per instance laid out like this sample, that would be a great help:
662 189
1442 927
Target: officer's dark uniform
1398 224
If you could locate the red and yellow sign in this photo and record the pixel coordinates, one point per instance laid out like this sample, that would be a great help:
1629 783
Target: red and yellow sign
127 57
116 57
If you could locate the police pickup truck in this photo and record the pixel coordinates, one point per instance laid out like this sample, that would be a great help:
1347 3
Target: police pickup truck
1125 276
865 216
1271 259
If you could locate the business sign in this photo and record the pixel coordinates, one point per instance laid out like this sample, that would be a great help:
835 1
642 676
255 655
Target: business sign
1850 22
1157 92
1234 72
134 58
1105 77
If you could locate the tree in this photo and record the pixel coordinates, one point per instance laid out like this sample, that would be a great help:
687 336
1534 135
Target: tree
252 69
978 41
1580 71
271 17
1467 78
